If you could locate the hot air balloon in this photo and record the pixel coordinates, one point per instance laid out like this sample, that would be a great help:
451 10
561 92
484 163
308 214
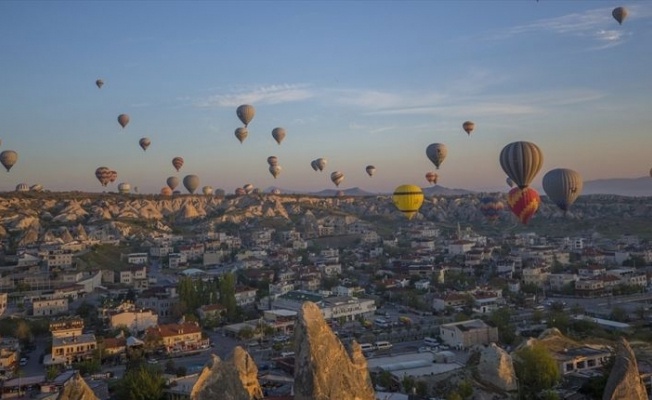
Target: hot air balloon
207 190
8 158
248 188
103 175
36 187
432 177
172 182
314 166
240 192
275 170
509 181
241 134
99 83
177 163
272 161
563 186
191 183
166 191
22 187
276 191
257 191
245 113
408 199
278 134
144 143
468 127
437 152
521 161
321 163
370 170
650 172
524 203
219 192
124 188
337 177
113 175
123 120
619 14
491 207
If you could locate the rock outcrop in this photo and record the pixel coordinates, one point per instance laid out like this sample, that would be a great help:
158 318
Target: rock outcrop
624 381
496 368
235 379
76 389
323 368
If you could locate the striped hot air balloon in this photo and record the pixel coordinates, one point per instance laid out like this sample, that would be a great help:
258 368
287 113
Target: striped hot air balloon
524 203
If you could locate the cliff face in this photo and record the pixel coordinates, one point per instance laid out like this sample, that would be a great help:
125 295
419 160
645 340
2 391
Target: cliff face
235 379
496 368
624 382
323 368
76 389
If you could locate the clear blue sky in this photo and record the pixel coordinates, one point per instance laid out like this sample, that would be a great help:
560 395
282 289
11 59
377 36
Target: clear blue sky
358 83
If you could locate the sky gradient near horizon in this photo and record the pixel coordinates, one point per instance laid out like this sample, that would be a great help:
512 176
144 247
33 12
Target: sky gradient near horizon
356 82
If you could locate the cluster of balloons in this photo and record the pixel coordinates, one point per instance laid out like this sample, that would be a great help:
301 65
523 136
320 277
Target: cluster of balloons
105 175
522 161
274 168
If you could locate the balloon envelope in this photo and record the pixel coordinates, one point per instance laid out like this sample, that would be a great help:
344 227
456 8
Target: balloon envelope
166 191
491 207
436 152
521 161
144 143
337 177
248 188
278 134
275 170
509 182
177 163
468 127
241 133
321 163
8 159
103 174
124 188
563 186
245 113
408 199
207 190
172 182
123 120
370 170
22 187
314 165
191 183
432 177
619 14
99 83
524 203
272 161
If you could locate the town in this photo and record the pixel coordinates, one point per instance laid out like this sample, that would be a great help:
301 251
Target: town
101 288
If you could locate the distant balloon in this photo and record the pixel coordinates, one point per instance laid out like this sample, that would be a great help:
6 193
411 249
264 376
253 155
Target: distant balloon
278 134
240 192
172 182
207 190
275 170
36 187
99 83
436 152
509 182
408 199
370 170
246 113
22 187
340 193
337 178
166 191
321 163
491 207
144 143
191 183
219 192
314 166
103 174
241 133
177 163
8 159
248 188
257 191
432 177
272 161
524 203
563 186
113 175
124 188
619 13
276 191
123 120
521 161
468 127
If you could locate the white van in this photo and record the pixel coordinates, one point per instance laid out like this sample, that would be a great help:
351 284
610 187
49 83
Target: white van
286 354
381 322
432 342
365 347
383 345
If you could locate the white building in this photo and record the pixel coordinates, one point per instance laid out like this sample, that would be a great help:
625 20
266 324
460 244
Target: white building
49 307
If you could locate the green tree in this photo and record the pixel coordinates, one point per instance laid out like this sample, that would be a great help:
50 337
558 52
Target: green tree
506 331
227 295
141 383
536 370
465 389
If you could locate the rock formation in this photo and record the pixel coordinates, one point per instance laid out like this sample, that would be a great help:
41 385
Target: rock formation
323 368
76 389
496 368
235 379
624 381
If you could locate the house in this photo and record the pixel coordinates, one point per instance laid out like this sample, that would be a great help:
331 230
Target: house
465 334
589 287
69 350
245 296
459 247
211 312
179 337
135 321
136 258
453 300
558 282
422 284
49 307
66 327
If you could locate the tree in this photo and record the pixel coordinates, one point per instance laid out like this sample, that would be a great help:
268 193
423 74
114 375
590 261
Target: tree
536 370
500 318
141 383
227 295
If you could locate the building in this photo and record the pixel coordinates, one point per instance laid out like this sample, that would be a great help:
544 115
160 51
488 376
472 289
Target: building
49 307
179 337
136 258
3 303
136 321
465 334
66 327
452 300
68 350
245 296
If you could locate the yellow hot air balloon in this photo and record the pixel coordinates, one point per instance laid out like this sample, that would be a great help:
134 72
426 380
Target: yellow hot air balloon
408 199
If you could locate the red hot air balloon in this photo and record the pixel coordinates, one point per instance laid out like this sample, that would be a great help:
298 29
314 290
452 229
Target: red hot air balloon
123 120
524 203
177 162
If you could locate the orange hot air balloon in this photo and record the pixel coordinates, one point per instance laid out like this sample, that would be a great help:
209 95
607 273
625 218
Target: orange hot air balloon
123 120
166 191
524 203
177 162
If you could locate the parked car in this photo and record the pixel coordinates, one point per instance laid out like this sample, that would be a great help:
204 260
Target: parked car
23 361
